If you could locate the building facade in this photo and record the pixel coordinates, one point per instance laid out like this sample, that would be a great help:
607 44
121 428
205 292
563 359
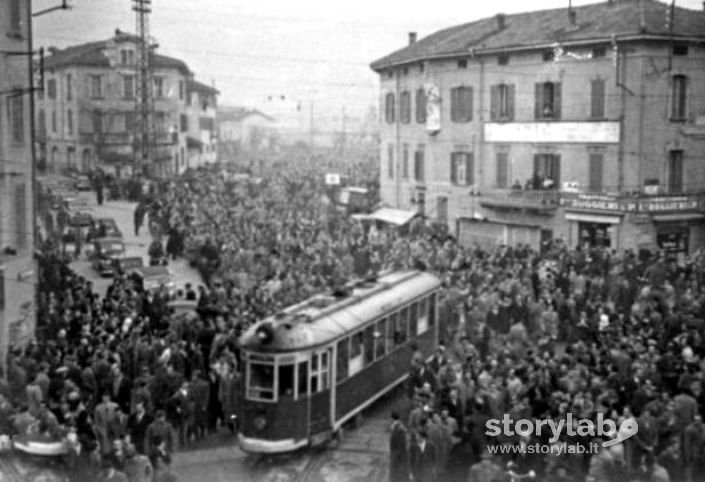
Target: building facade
86 113
586 124
17 265
202 137
249 129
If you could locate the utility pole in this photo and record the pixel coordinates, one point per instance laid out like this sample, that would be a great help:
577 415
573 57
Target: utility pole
144 98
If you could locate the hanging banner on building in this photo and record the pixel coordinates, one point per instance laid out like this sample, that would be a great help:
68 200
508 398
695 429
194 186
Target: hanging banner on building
433 108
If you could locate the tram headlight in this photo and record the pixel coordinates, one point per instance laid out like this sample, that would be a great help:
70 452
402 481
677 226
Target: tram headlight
260 423
265 333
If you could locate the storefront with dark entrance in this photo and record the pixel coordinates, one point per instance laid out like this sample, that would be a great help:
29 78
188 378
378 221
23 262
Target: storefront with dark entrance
590 230
676 232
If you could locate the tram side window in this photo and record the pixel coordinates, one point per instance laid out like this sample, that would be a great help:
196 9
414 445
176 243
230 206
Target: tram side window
356 347
319 372
303 379
393 337
369 342
261 382
413 320
381 339
342 368
432 309
423 316
286 381
402 327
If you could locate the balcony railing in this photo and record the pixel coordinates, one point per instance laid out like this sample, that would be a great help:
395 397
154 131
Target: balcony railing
536 199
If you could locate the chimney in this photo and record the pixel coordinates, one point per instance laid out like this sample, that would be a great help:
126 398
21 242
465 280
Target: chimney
500 21
572 17
412 38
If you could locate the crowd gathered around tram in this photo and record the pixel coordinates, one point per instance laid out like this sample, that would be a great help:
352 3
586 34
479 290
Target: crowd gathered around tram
533 335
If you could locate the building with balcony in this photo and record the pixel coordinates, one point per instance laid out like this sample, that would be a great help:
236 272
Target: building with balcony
583 123
17 264
86 113
200 128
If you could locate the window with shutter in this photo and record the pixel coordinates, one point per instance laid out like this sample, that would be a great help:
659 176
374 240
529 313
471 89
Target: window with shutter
405 107
419 167
675 172
405 161
678 97
502 170
21 216
597 97
596 162
547 171
461 104
421 106
389 108
548 100
390 161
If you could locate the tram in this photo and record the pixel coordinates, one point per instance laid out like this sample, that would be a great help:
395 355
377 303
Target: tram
315 365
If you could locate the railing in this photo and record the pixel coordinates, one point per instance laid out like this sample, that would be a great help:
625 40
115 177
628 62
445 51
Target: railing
642 191
539 197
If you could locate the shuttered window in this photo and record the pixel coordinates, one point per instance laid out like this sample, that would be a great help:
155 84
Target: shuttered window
421 106
461 168
597 98
502 102
21 216
389 108
596 165
548 101
502 169
419 164
405 107
679 95
405 161
461 104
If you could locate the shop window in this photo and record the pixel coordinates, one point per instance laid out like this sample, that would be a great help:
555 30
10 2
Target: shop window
420 106
548 101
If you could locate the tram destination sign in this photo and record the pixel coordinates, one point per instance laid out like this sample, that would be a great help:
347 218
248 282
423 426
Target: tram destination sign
600 202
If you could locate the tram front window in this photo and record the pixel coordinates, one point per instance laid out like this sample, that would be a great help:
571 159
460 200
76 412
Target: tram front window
261 382
286 381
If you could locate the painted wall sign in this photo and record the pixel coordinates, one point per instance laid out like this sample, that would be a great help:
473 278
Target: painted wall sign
532 132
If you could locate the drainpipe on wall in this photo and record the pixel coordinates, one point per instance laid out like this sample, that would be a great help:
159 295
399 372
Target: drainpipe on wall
479 156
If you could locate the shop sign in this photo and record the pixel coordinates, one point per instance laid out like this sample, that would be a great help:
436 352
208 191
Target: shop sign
641 218
597 202
677 203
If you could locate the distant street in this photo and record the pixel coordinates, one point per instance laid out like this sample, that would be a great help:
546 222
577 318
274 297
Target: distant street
122 212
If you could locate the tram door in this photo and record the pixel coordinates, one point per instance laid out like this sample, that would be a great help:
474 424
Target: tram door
320 396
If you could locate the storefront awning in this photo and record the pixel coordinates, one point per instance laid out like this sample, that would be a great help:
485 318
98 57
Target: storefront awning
667 218
398 217
593 218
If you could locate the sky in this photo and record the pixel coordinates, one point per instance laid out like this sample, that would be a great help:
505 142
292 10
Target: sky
281 56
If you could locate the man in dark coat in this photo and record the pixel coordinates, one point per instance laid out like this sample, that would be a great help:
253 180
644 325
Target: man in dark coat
423 457
398 451
137 425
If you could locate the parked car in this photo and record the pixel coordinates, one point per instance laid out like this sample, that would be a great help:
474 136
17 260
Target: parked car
128 263
105 228
105 250
82 183
151 278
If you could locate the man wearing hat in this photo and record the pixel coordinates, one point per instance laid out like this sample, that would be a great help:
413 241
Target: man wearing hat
398 451
423 457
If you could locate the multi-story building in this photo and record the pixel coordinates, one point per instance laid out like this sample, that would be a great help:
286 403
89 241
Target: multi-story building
17 266
248 129
86 114
200 128
584 123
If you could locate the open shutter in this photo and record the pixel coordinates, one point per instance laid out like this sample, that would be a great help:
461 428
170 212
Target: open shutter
510 102
453 168
538 106
538 169
596 167
556 100
556 170
597 110
467 115
469 171
494 102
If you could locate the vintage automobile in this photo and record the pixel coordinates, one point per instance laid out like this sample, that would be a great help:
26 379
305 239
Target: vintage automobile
105 252
105 228
151 278
82 183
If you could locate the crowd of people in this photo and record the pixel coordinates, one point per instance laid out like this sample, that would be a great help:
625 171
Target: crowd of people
533 335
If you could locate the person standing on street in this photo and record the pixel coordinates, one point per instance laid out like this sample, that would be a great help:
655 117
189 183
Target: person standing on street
140 212
98 183
398 451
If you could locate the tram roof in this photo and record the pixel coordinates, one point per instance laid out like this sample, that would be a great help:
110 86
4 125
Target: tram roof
324 318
